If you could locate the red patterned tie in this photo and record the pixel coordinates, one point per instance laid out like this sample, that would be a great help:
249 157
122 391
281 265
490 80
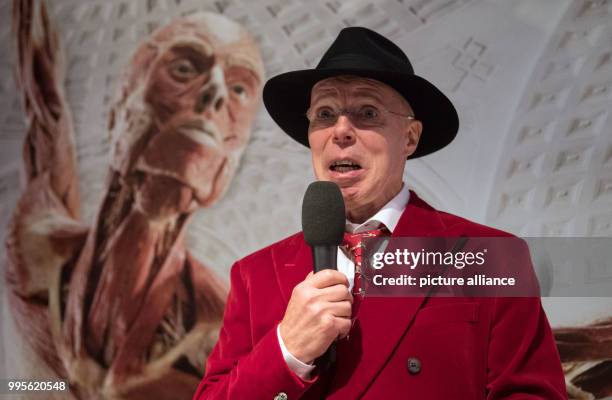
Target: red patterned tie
353 242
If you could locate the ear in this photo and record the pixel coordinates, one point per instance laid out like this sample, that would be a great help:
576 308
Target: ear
412 135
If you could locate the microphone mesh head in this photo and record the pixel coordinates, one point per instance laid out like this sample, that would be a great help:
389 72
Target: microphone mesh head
323 214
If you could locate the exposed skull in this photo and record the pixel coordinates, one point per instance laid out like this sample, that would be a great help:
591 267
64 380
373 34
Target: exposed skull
187 102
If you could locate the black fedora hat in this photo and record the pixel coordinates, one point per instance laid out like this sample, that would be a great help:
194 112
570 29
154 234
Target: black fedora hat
365 53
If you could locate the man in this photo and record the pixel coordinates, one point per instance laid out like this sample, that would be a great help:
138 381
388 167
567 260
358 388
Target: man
363 112
121 309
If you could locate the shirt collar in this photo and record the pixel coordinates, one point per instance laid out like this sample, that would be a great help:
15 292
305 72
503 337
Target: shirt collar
388 215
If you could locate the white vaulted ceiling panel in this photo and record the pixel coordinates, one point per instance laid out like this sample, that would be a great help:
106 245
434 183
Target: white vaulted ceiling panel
555 175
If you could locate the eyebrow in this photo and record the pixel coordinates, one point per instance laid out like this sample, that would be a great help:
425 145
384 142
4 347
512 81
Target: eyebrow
199 48
238 61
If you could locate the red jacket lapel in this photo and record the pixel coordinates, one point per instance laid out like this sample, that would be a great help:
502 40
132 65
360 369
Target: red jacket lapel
292 262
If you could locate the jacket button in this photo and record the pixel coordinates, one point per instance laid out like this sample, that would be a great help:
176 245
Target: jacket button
414 365
281 396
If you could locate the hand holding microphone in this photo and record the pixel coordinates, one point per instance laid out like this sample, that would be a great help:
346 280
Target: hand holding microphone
319 310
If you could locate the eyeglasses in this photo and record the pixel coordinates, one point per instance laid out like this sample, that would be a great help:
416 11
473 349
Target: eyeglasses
361 116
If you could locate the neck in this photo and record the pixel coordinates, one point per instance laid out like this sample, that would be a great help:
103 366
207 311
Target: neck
161 204
129 252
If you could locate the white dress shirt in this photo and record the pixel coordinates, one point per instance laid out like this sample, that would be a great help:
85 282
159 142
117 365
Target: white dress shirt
387 216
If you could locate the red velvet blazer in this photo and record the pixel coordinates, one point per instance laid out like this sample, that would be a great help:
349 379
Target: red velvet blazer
466 348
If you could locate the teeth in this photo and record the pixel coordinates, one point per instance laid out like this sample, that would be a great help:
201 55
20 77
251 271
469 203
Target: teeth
344 166
344 163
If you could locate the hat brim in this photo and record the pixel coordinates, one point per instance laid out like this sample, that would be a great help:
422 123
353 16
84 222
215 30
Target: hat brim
287 97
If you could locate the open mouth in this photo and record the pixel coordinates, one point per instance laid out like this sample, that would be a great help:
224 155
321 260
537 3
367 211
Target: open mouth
344 165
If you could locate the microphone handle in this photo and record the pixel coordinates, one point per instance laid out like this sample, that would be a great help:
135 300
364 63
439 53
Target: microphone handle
325 257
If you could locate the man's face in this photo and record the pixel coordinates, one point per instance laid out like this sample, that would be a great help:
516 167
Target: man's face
364 152
202 88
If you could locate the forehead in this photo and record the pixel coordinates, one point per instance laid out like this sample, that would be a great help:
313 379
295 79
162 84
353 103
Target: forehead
353 86
216 29
213 33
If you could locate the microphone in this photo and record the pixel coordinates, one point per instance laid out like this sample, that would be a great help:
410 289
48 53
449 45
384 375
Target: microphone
323 223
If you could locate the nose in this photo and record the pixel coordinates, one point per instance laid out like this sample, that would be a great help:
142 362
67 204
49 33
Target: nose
214 93
343 131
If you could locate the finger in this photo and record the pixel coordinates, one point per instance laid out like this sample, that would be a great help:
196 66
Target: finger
343 326
339 309
329 277
21 20
307 279
334 293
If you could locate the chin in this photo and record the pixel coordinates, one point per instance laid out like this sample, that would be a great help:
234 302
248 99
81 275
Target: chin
210 194
350 194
